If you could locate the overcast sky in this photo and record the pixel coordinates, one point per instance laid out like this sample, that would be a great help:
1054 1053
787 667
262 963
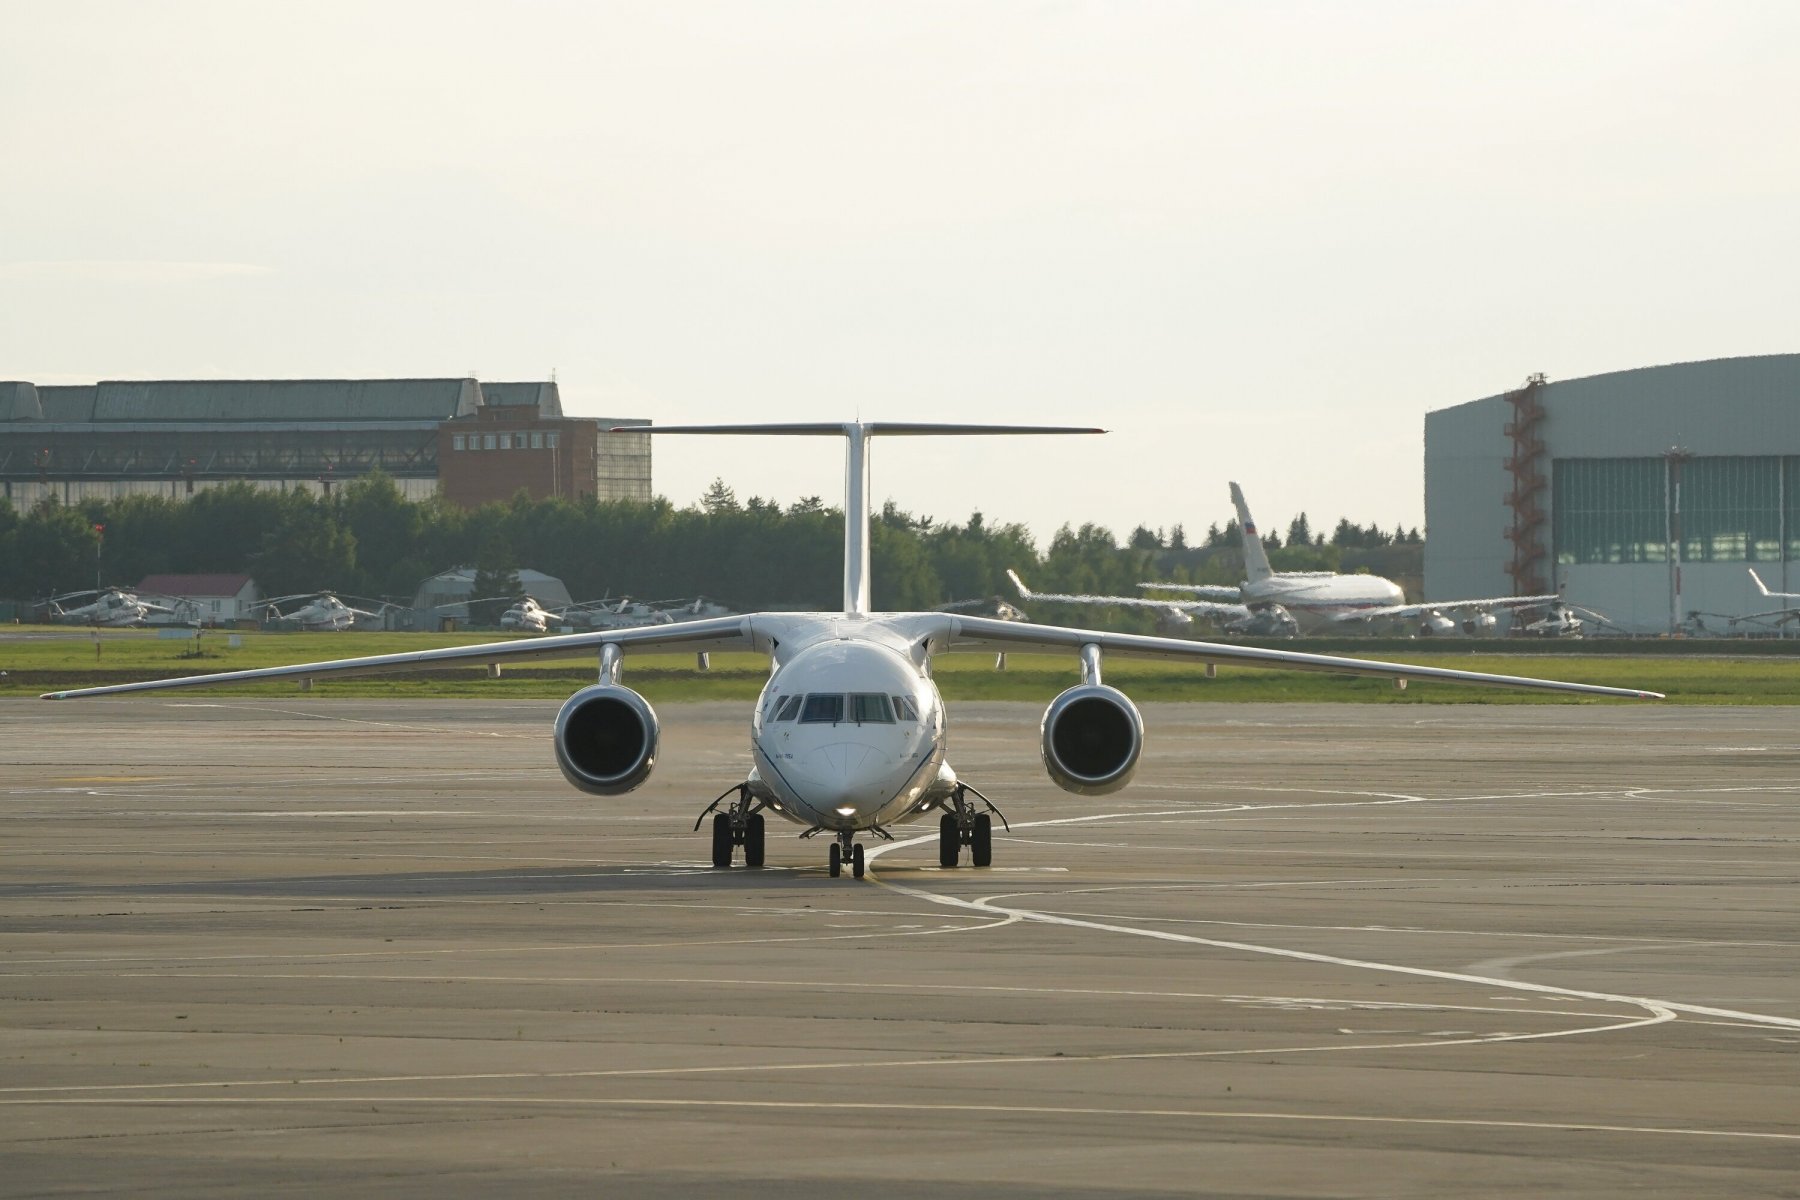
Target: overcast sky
1257 240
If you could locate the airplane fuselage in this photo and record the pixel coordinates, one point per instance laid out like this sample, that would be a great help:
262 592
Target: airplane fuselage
849 730
1315 600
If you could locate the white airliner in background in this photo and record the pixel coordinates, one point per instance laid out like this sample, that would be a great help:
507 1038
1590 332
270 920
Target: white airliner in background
1273 603
849 734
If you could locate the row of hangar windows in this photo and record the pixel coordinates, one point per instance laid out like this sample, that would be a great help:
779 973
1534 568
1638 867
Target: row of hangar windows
1638 510
503 441
864 708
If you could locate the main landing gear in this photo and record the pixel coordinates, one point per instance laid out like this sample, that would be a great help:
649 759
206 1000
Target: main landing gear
962 826
739 825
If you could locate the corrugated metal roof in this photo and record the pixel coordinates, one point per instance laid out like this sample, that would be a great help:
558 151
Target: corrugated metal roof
285 399
69 403
19 402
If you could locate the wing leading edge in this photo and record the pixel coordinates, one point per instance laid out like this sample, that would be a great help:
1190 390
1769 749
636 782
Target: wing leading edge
717 633
983 632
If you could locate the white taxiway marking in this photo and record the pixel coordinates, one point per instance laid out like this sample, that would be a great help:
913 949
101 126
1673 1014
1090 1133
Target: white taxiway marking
1187 1114
988 905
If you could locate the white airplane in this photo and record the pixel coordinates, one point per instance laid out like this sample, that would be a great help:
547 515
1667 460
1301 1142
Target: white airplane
1273 603
321 612
112 607
1781 615
849 734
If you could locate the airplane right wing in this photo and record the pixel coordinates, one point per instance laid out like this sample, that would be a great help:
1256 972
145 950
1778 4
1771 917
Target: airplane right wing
1408 611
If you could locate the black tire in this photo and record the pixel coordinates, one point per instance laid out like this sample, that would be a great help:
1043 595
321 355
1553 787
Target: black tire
721 840
834 860
981 846
949 840
753 840
856 860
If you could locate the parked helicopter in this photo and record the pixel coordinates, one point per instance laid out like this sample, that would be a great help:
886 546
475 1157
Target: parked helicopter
321 612
111 607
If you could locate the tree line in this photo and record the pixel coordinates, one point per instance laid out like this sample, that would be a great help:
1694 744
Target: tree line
366 539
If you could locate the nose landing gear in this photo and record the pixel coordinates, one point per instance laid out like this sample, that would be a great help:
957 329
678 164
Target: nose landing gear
841 850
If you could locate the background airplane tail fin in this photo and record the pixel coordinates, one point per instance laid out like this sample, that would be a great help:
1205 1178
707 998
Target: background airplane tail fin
1256 559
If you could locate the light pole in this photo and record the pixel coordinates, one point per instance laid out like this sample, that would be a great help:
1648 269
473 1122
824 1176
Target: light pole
1674 457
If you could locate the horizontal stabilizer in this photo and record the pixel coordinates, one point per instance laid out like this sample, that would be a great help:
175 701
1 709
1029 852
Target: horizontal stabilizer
840 428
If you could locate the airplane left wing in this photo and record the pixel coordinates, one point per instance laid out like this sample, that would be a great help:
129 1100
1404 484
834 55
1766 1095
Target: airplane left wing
1408 611
984 633
717 633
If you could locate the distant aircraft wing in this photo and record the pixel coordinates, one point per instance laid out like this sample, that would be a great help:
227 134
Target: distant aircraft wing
1443 606
985 633
1764 588
1215 591
718 633
1205 608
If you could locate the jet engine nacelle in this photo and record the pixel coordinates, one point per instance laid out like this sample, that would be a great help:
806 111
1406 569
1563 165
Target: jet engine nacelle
1436 624
606 739
1482 624
1091 738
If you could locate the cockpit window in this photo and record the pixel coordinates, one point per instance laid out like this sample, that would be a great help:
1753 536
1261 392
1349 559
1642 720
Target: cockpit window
822 707
788 708
870 708
903 708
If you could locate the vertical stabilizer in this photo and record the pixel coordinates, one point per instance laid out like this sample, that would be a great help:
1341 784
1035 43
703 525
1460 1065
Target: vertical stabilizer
1256 559
856 475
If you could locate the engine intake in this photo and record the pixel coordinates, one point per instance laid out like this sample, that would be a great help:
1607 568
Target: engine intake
1092 735
606 739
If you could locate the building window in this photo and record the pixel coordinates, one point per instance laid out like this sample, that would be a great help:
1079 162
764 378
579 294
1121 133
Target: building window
456 443
550 440
1624 510
506 441
487 441
537 441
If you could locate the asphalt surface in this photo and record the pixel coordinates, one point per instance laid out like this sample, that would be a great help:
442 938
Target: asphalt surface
353 948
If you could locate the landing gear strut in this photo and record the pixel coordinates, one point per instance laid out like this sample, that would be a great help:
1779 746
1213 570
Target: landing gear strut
739 825
841 850
962 826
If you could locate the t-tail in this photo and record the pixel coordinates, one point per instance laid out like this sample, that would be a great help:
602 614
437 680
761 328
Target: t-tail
856 476
1256 559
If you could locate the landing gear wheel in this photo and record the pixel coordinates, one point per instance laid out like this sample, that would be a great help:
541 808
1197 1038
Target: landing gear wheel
721 840
834 860
856 860
981 845
753 840
949 840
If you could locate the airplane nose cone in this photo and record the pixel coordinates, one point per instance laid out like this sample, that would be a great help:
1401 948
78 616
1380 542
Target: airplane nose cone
844 774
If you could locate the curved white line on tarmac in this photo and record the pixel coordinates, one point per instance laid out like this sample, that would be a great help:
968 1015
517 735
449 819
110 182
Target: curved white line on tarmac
1026 914
1192 1114
1501 968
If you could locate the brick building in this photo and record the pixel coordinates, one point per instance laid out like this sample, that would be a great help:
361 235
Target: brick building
519 439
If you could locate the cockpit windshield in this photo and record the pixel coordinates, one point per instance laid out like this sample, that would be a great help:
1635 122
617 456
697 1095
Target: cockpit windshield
822 708
864 708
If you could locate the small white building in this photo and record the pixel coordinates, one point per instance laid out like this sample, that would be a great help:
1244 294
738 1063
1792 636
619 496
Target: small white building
214 599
